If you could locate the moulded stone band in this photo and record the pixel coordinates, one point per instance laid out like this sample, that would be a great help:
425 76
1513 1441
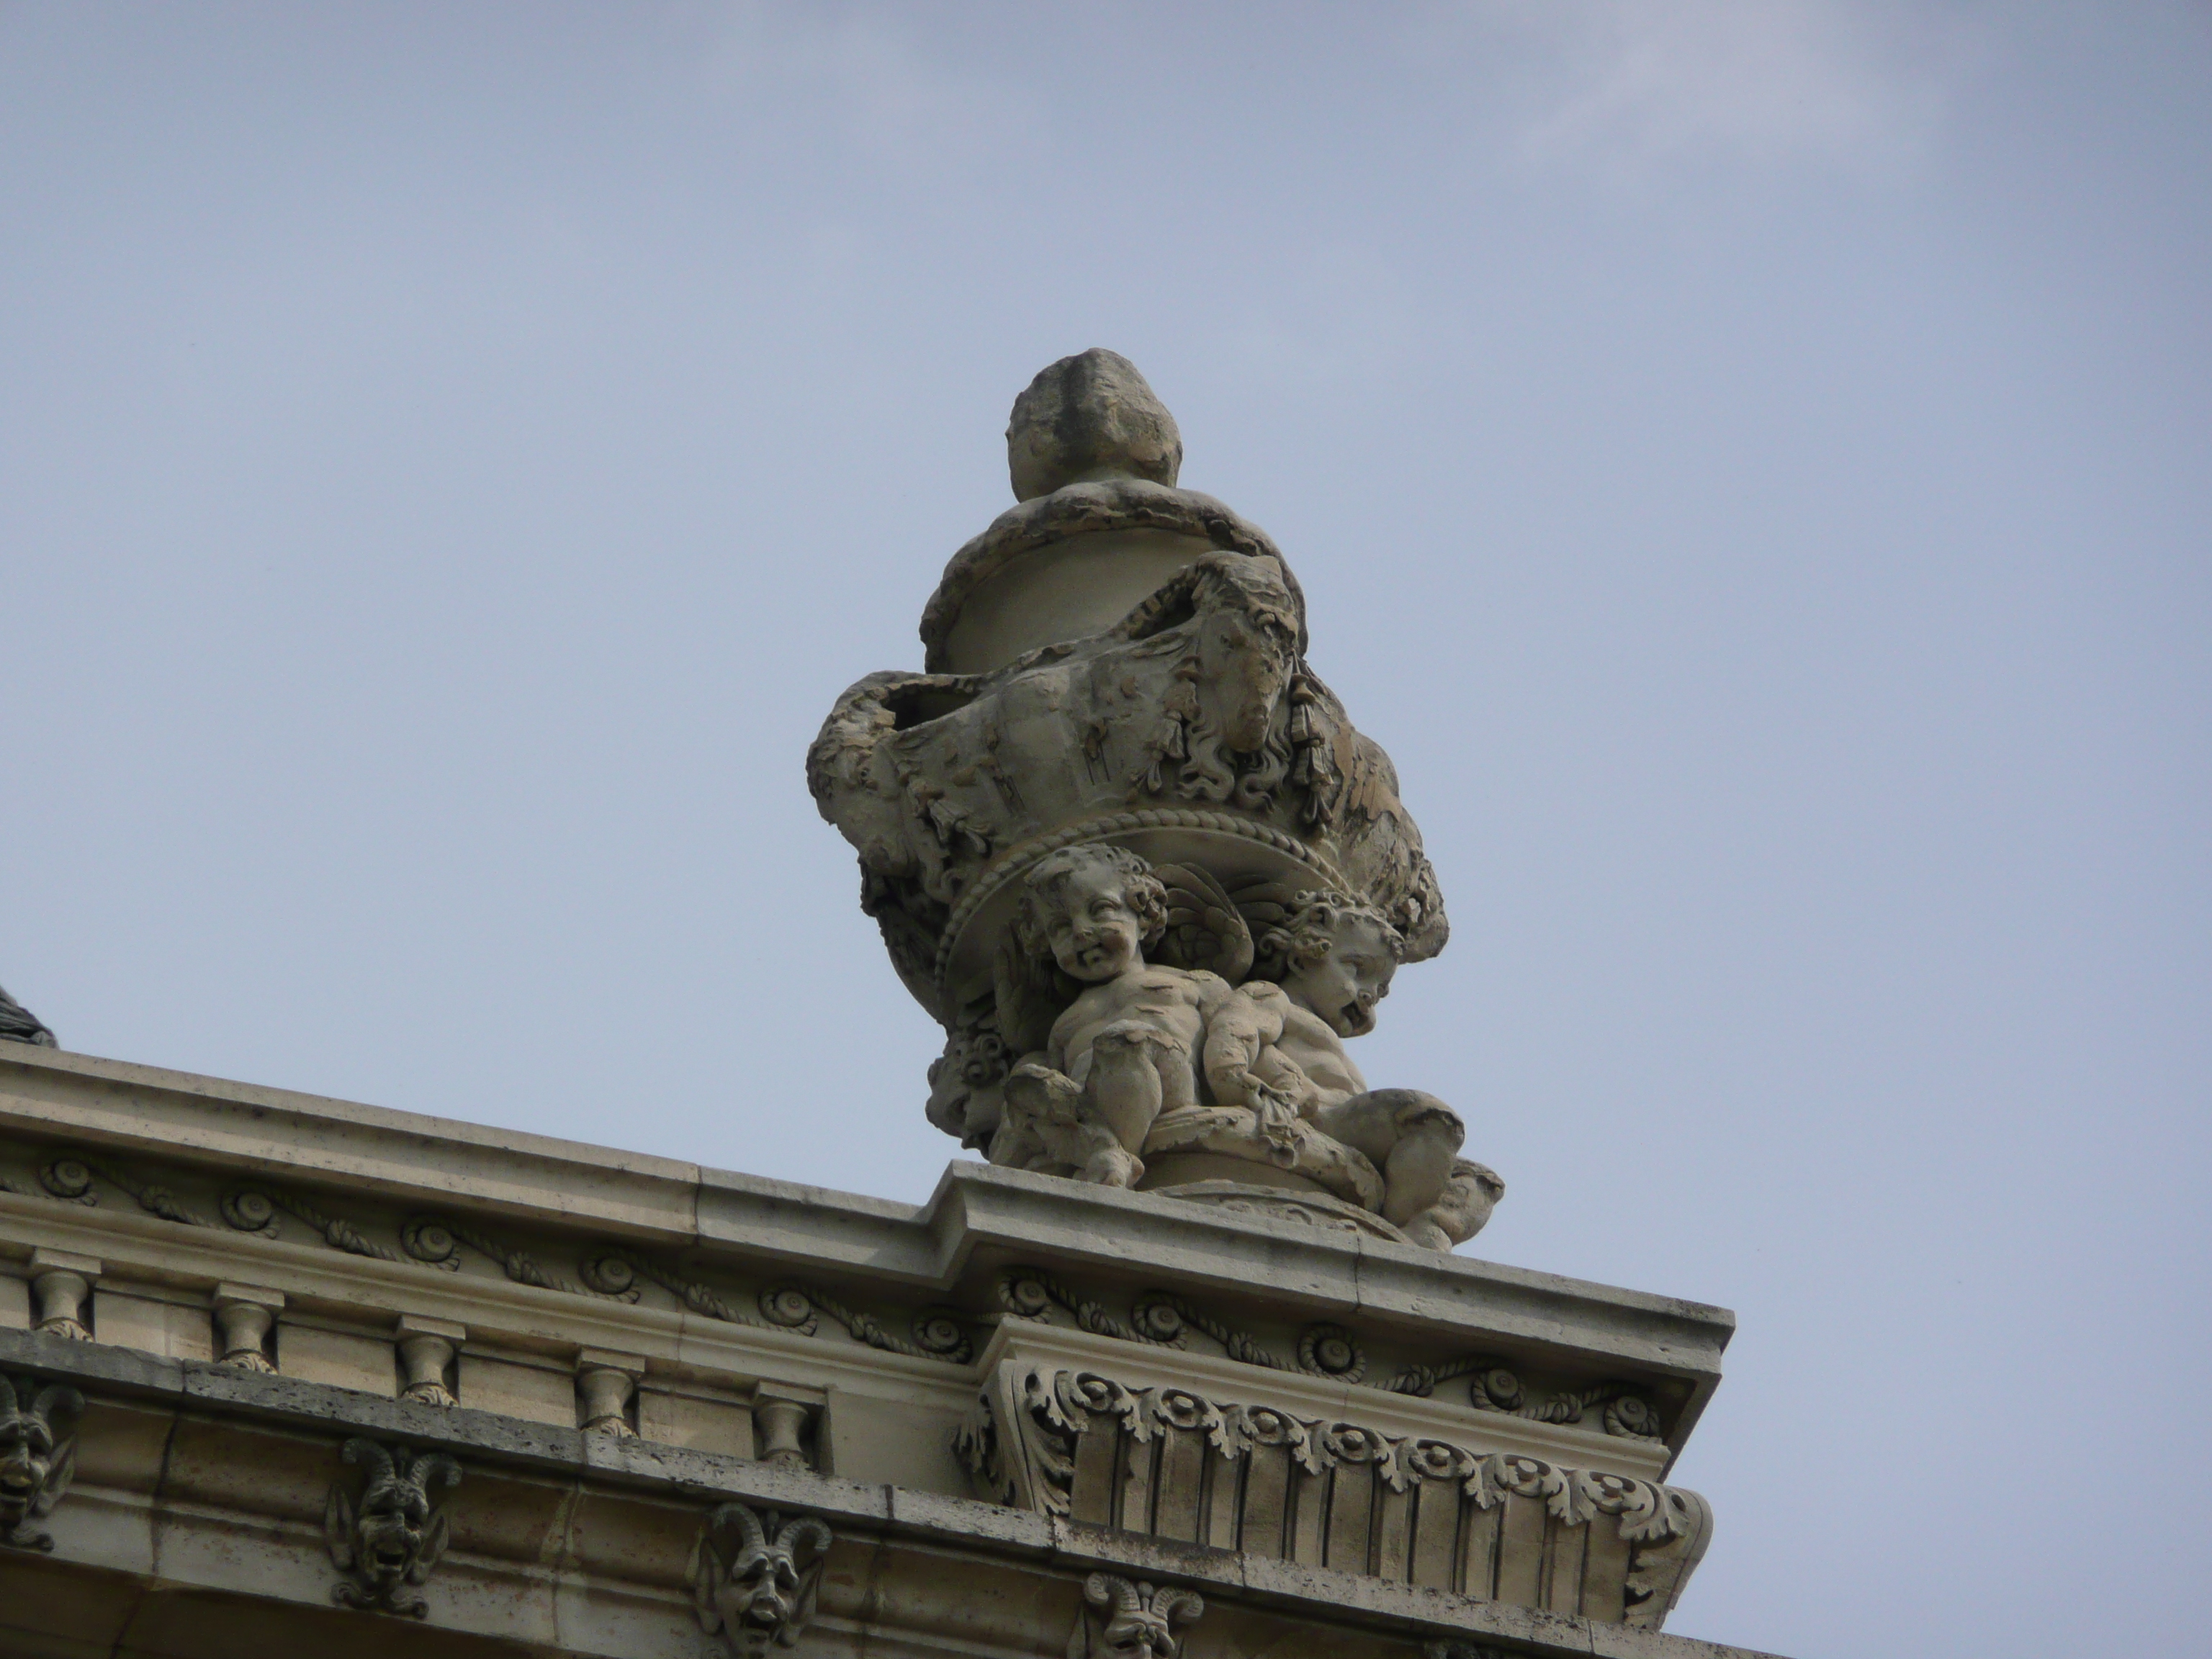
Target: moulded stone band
1080 509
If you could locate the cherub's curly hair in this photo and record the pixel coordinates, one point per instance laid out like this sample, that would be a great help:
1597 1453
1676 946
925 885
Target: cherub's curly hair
1042 889
1303 936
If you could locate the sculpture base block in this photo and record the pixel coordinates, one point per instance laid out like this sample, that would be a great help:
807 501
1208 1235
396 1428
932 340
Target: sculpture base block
1243 1187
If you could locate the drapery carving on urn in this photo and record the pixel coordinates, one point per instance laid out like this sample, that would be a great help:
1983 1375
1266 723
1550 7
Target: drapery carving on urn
388 1542
756 1576
1129 850
1173 1463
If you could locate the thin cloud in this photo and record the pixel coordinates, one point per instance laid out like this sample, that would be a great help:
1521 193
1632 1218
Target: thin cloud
905 103
1639 85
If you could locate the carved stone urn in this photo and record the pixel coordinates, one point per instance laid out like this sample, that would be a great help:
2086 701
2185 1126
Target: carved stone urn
1120 663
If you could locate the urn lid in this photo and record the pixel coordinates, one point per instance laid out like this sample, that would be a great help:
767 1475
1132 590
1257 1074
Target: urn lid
1093 456
1116 660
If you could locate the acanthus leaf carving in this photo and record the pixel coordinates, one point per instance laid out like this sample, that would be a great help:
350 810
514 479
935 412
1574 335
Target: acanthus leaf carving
1670 1543
1020 1443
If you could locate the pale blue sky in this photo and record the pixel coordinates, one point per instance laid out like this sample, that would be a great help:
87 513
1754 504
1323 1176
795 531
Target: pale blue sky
1748 463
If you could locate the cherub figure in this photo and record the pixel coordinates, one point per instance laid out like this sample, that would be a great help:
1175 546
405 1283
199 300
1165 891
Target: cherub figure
1330 960
1148 1058
1470 1193
1130 1045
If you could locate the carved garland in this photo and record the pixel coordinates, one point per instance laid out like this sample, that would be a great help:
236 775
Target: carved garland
1163 1319
70 1178
938 1332
1159 1318
435 1240
1628 1414
611 1272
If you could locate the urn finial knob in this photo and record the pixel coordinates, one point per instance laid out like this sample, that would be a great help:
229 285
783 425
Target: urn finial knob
1086 418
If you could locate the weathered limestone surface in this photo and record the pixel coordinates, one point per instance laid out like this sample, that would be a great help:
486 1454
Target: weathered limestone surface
19 1025
1186 1371
633 1344
1130 851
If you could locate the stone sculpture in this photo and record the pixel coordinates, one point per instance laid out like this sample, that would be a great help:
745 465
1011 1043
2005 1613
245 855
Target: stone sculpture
756 1577
390 1541
1128 1619
36 1459
19 1025
1130 852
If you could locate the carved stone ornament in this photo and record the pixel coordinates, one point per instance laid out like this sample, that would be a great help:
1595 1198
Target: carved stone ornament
244 1316
1128 1619
1130 852
37 1457
387 1543
1163 1319
19 1025
1327 1492
756 1576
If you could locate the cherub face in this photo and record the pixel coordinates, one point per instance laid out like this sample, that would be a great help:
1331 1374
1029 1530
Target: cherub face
1094 934
1344 984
